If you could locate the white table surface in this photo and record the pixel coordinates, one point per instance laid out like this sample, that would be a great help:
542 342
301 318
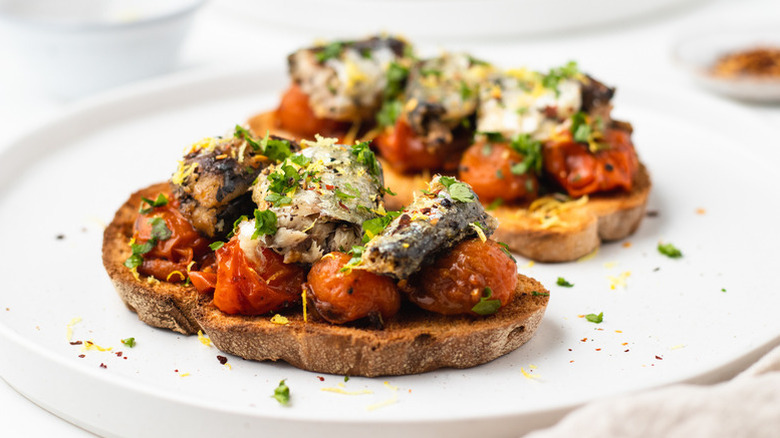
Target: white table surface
635 53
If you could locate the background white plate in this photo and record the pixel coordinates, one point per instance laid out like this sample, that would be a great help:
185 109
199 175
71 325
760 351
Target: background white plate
698 318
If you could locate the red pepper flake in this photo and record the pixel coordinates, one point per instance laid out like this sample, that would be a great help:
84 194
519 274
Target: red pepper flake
341 204
571 361
329 187
659 358
125 358
76 343
82 356
626 351
222 359
598 349
175 371
584 340
569 349
102 365
322 379
118 354
624 344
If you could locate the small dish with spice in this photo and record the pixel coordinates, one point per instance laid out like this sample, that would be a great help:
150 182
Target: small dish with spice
739 63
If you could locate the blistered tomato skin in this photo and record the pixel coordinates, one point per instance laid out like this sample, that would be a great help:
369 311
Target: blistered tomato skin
296 116
581 172
456 282
407 152
488 169
170 259
248 288
341 297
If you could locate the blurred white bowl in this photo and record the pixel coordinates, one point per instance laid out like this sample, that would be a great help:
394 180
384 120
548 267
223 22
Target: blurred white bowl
76 47
698 52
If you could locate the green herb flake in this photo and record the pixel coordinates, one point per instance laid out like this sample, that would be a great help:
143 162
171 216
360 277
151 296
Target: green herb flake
389 113
344 196
669 250
505 248
332 50
216 245
723 289
134 261
346 379
494 137
236 223
540 294
242 133
364 155
396 80
389 192
531 150
466 92
265 223
129 342
300 159
357 253
375 226
556 75
159 230
275 149
596 319
159 202
282 393
562 282
278 199
458 191
486 306
495 204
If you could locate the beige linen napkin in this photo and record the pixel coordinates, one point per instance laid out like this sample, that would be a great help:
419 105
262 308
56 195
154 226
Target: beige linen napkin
746 406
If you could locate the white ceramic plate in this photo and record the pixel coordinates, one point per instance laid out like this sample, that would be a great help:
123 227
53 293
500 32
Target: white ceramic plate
698 53
698 318
436 19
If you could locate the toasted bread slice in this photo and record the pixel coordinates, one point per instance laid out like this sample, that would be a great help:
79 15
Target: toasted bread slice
414 341
157 303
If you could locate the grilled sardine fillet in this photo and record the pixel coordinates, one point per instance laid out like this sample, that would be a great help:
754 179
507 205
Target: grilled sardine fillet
213 180
320 197
441 92
447 214
345 79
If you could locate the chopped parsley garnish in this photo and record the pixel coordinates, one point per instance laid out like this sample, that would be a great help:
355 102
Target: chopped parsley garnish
346 379
332 50
284 179
596 319
300 159
389 192
458 191
282 393
540 294
374 226
396 80
265 223
389 112
277 199
669 250
356 252
236 223
465 91
344 196
275 149
244 134
486 306
159 232
364 155
216 245
562 282
580 129
129 342
494 137
505 248
557 75
531 150
159 202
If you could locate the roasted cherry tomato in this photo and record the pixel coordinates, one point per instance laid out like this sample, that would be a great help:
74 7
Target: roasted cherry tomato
580 171
407 152
296 116
172 257
248 288
475 278
487 167
341 297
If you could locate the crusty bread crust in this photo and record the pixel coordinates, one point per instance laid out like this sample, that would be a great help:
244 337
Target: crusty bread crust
414 341
159 304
